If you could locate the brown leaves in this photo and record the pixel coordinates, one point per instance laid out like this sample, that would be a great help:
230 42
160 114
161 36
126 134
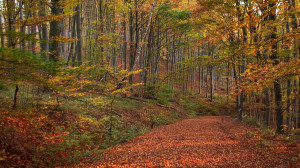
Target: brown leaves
203 142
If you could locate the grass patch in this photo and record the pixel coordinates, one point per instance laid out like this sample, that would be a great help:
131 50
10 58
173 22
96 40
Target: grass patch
162 94
198 106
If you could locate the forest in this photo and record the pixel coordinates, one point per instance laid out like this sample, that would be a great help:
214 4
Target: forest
88 83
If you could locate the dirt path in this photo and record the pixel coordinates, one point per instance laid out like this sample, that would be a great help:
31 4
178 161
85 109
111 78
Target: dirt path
202 142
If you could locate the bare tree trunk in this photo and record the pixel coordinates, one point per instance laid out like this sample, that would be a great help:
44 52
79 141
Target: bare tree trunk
211 54
148 60
33 31
22 28
54 46
131 55
44 39
288 91
207 71
227 81
79 34
295 27
1 31
10 17
62 43
73 33
277 87
267 107
125 45
15 97
199 73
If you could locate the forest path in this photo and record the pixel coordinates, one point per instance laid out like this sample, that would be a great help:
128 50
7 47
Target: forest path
211 141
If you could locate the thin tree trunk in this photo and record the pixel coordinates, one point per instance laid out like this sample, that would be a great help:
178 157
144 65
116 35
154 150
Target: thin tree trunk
131 55
125 45
267 107
1 31
22 28
15 97
79 34
10 18
44 39
227 81
73 33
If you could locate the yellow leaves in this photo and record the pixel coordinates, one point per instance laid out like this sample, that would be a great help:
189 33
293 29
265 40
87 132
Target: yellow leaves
146 7
68 3
165 50
64 39
126 89
257 77
204 33
51 103
122 90
99 101
164 57
76 94
85 119
134 72
137 84
123 72
56 79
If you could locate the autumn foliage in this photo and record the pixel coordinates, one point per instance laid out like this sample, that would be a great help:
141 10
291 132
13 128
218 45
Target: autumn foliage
79 77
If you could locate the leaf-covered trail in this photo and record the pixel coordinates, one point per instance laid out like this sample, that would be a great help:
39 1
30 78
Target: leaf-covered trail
201 142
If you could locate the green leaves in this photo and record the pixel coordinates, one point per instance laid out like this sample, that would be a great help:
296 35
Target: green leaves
19 65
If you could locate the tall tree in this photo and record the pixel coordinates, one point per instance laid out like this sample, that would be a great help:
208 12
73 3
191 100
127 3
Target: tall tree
275 59
79 34
55 28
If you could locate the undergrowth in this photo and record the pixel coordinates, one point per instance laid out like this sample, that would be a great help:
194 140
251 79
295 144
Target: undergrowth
47 130
268 138
199 106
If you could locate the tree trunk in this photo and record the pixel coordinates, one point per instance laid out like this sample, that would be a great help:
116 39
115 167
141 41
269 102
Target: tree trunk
15 97
267 107
131 57
22 28
211 54
10 17
125 45
274 57
73 33
79 34
1 31
44 39
55 29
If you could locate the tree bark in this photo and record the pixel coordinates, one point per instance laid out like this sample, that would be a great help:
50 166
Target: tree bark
274 57
79 34
1 31
44 40
55 28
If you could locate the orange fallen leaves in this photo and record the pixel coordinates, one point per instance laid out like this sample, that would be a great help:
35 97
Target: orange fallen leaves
202 142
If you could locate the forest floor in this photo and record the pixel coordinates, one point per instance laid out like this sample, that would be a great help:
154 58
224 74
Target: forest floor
209 141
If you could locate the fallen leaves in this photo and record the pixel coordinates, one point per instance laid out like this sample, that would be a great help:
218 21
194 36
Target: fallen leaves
202 142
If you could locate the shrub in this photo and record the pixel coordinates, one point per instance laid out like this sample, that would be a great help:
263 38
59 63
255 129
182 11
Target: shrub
162 94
